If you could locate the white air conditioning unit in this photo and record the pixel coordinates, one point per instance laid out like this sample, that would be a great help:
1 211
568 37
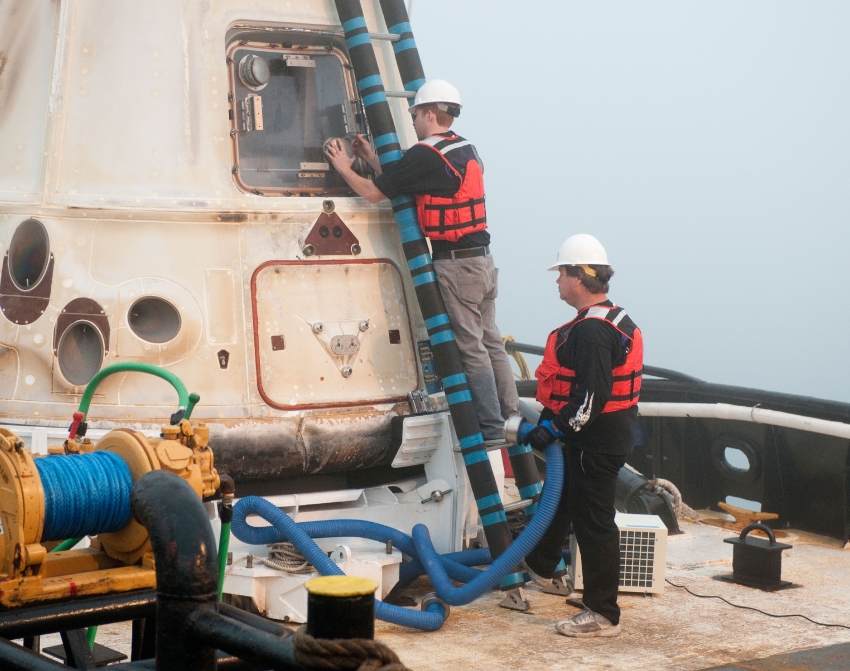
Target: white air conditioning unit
643 554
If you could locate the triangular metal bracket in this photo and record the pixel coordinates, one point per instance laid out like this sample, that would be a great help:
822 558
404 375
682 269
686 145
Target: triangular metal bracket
330 236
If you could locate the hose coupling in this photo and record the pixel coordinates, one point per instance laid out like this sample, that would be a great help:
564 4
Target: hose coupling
430 599
512 429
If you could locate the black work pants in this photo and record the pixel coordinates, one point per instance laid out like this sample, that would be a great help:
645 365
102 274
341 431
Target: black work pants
587 502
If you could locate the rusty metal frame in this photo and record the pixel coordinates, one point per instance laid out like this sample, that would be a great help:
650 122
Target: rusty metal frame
256 326
232 76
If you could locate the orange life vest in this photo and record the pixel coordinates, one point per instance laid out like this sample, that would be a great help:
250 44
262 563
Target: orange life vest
555 381
450 218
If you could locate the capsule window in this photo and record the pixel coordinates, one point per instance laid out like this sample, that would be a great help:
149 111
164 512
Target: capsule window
154 319
80 352
29 254
288 98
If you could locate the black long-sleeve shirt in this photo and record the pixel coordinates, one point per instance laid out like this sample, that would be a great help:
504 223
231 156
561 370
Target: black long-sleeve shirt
422 170
593 349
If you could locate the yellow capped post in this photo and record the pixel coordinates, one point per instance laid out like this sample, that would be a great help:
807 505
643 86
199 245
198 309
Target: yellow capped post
341 606
341 585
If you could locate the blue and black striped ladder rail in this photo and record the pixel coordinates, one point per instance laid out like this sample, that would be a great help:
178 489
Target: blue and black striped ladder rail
412 74
446 353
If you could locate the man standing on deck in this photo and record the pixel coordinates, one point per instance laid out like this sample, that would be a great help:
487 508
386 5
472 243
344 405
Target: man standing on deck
444 173
589 383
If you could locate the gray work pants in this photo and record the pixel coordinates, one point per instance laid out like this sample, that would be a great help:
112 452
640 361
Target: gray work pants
469 287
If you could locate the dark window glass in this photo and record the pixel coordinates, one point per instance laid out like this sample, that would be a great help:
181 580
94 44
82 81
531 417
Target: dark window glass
286 104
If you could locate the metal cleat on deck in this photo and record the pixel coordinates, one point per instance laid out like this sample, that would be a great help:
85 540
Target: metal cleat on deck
743 519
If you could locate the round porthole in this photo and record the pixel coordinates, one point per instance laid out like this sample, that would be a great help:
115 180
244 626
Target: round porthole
80 352
154 319
736 459
254 72
29 254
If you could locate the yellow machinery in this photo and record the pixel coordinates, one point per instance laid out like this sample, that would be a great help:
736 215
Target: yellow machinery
116 561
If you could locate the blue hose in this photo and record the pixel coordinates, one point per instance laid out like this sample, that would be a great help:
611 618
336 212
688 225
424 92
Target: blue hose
505 563
410 571
327 529
441 568
457 570
429 620
84 494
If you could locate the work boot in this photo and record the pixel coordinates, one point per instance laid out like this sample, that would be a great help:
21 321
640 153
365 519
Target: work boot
587 624
537 579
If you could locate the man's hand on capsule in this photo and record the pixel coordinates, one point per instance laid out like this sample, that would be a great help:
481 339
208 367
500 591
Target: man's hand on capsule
338 157
362 148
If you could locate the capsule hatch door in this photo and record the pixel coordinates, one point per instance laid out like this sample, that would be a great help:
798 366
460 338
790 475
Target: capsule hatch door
332 333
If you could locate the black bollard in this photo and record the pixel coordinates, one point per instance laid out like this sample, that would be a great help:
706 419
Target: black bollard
340 606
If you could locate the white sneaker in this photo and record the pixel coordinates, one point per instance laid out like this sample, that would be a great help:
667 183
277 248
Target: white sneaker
587 624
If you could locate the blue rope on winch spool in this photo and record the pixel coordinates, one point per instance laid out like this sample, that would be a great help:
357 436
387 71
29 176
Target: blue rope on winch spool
84 494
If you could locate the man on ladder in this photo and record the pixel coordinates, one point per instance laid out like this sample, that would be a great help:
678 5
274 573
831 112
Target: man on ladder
444 174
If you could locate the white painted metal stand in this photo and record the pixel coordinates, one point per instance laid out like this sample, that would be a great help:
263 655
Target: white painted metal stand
452 520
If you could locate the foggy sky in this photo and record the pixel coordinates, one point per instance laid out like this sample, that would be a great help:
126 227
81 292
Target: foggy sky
706 144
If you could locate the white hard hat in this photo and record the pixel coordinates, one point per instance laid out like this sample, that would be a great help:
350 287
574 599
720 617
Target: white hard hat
437 91
581 249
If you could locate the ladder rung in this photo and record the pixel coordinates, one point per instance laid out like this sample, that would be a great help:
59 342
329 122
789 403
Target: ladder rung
489 448
516 505
389 37
400 94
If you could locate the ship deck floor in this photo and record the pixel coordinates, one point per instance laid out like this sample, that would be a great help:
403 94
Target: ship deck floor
673 631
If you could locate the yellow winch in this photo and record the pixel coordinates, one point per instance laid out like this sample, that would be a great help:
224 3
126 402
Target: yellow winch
36 501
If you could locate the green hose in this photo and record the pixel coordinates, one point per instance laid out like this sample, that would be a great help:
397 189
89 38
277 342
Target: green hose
187 403
67 545
193 399
90 636
223 545
135 367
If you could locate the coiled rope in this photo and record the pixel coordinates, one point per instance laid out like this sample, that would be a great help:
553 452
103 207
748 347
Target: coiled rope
286 557
283 557
522 364
84 494
341 654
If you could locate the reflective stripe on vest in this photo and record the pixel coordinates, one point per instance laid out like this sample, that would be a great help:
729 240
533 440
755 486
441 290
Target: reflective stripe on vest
555 381
463 213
